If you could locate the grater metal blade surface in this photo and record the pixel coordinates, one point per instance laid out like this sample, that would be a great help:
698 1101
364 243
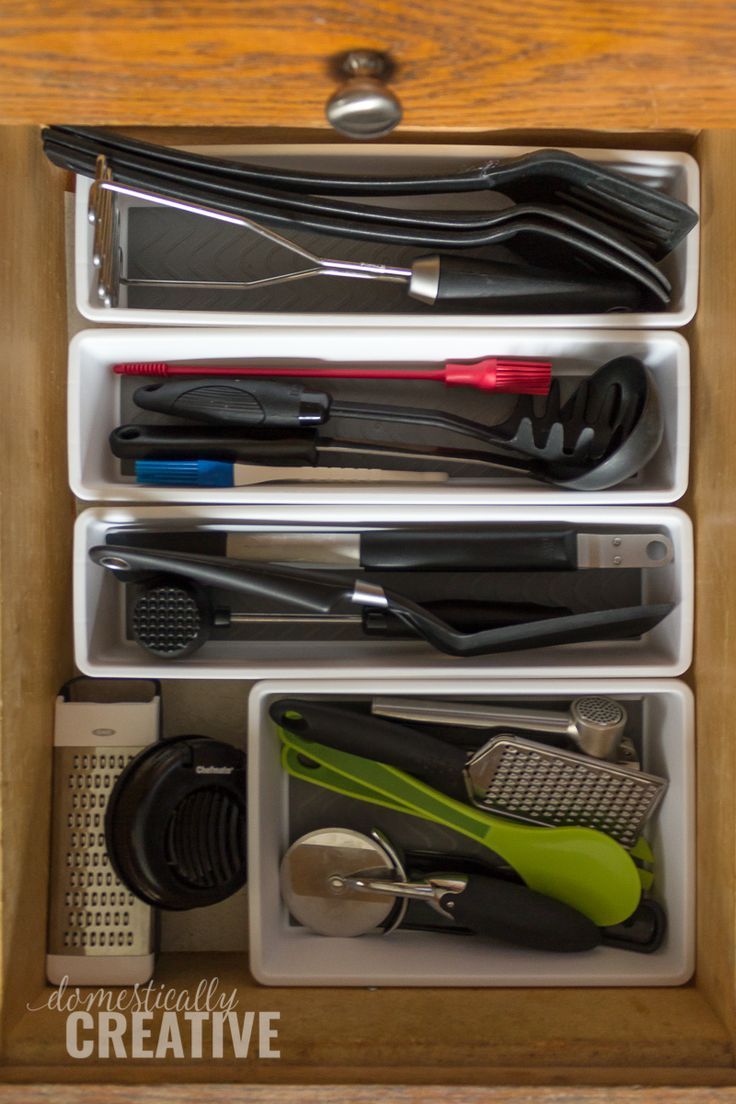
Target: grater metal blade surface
91 913
542 785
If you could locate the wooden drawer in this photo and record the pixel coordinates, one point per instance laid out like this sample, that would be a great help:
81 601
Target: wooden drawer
682 1036
625 64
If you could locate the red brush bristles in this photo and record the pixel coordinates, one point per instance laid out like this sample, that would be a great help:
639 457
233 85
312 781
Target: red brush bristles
521 377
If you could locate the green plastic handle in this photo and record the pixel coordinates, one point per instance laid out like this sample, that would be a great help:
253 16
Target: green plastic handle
320 775
581 867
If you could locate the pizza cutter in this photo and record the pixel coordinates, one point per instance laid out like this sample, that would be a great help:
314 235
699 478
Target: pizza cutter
339 882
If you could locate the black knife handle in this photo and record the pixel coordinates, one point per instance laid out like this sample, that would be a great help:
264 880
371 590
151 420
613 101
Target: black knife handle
469 550
503 910
267 403
432 761
171 442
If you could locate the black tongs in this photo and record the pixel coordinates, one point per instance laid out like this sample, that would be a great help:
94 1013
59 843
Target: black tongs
574 239
655 221
319 592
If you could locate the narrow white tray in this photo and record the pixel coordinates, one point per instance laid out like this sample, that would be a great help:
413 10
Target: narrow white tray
284 954
94 406
102 649
676 174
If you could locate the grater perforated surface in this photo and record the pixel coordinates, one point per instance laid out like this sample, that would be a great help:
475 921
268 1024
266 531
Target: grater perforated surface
527 781
91 911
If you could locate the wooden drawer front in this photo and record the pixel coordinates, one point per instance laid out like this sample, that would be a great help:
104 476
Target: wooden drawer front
470 66
680 1036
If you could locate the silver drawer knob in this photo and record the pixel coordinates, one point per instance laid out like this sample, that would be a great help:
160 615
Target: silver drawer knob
364 107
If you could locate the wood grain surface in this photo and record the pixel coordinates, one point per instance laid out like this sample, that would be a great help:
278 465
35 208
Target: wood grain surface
457 1037
340 1094
662 1036
712 505
36 515
469 65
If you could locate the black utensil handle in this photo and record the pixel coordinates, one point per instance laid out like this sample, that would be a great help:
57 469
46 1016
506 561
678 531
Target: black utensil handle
502 910
430 760
643 932
276 403
520 287
170 442
469 550
303 590
464 614
271 447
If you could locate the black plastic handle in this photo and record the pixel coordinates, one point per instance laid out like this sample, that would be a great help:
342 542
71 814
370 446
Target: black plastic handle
469 550
408 549
425 757
278 404
275 403
271 447
522 287
643 932
305 590
171 442
503 910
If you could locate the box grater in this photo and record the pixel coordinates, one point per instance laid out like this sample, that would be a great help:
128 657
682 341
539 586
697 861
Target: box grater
532 782
99 933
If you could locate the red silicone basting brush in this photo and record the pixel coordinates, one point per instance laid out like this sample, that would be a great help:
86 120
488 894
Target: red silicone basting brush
519 377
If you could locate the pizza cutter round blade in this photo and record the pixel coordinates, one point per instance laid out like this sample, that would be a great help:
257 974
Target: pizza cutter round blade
316 873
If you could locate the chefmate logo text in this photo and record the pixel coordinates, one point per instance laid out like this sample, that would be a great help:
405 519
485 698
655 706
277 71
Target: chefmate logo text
152 1021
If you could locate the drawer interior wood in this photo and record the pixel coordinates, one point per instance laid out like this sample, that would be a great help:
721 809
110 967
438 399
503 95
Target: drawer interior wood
674 1036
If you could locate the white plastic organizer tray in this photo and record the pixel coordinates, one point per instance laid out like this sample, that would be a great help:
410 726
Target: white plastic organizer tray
282 953
94 406
317 303
102 648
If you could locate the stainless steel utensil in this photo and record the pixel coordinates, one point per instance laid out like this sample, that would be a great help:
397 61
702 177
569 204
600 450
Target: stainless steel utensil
594 723
529 781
